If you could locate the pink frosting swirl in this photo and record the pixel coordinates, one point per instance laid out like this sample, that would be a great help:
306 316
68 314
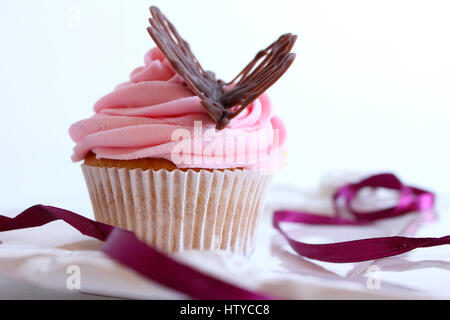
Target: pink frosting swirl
156 115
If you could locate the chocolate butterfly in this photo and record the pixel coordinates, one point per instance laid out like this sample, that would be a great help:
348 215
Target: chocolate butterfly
263 71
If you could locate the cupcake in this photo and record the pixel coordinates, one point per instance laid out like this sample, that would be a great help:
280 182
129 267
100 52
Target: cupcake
180 158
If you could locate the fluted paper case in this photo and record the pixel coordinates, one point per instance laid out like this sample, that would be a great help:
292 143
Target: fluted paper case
181 210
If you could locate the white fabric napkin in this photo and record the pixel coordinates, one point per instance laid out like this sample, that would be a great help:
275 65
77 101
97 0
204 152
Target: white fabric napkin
57 256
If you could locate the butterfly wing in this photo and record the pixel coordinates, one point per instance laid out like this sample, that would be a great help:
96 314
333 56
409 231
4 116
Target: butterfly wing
261 73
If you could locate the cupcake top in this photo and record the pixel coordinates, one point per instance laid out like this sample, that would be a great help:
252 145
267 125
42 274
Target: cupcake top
172 109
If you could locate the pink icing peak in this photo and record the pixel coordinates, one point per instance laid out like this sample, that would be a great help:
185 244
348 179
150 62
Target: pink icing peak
145 116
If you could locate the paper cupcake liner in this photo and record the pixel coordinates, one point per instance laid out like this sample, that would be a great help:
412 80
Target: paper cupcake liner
181 210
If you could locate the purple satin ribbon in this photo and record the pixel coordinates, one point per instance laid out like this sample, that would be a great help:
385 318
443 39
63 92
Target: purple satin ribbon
410 200
124 247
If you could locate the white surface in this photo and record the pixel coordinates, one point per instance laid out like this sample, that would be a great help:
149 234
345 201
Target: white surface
369 88
41 256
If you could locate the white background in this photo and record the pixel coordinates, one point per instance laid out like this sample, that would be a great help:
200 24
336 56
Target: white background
369 90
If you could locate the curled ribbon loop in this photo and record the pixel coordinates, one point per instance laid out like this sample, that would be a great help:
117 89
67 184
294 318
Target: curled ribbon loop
410 199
